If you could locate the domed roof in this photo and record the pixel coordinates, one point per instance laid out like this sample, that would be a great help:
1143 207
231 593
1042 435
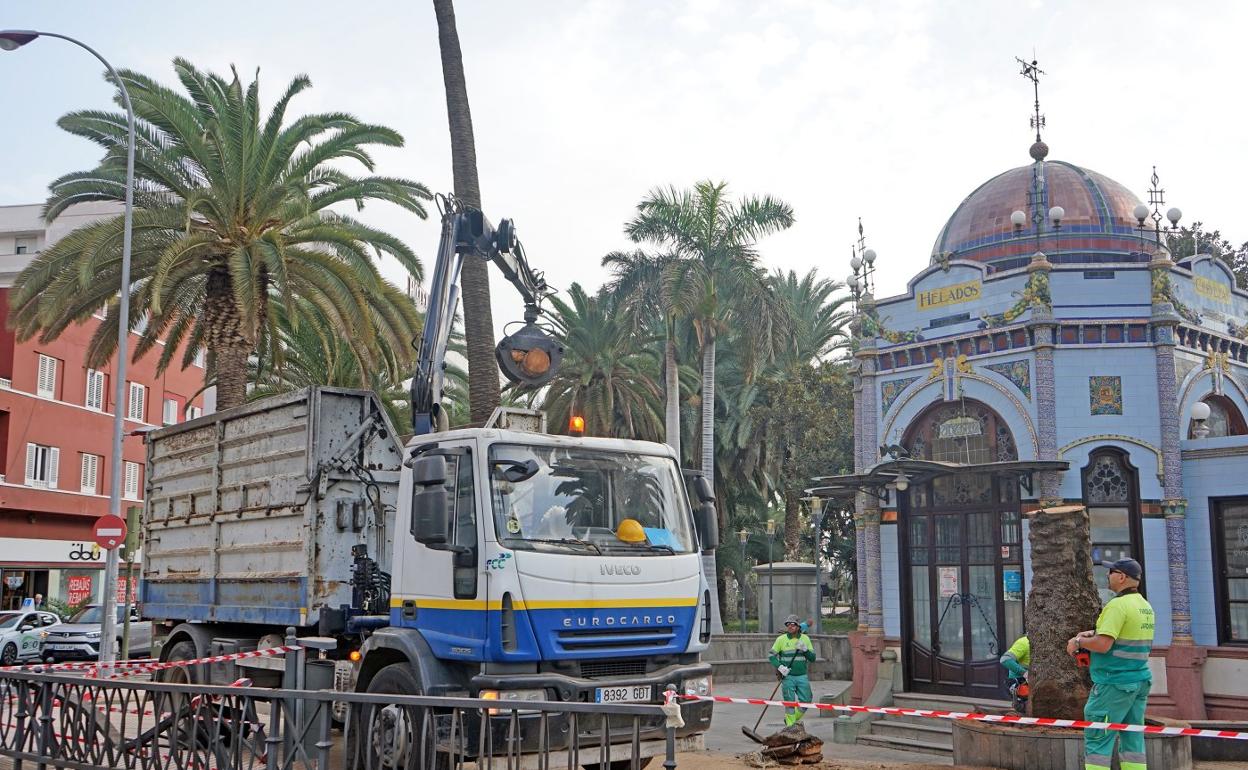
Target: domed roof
1098 226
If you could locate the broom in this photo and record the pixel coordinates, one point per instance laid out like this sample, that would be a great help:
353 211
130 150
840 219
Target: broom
752 734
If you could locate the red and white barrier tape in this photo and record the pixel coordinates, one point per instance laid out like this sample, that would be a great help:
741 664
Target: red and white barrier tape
76 666
1012 719
147 668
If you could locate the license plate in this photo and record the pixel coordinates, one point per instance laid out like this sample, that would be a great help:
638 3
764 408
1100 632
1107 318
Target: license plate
631 693
59 646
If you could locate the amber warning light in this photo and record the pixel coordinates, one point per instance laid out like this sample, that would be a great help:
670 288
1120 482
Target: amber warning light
576 425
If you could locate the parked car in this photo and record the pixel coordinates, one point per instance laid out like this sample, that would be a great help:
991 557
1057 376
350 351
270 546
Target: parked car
79 637
19 634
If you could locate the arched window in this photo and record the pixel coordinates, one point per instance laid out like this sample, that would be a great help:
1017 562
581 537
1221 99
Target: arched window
1224 418
1111 493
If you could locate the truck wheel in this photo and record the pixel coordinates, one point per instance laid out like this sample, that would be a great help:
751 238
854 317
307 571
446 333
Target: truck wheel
391 736
183 650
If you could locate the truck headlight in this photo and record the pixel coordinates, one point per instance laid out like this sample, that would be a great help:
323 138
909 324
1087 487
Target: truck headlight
512 696
698 686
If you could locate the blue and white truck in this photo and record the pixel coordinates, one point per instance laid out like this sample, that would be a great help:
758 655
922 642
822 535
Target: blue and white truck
498 561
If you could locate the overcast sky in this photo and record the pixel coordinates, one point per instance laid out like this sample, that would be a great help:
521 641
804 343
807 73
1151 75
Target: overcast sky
889 111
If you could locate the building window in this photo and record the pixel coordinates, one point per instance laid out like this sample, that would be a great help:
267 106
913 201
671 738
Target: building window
90 473
96 385
1230 557
46 385
170 411
1110 490
132 481
193 412
1225 418
138 397
42 463
24 246
201 358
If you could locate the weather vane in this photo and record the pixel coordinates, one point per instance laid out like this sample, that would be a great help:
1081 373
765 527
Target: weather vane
1032 72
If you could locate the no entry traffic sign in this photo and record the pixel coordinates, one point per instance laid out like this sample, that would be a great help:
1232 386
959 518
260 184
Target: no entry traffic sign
110 531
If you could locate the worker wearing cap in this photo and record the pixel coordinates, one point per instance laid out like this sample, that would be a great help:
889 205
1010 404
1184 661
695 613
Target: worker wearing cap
1119 648
790 655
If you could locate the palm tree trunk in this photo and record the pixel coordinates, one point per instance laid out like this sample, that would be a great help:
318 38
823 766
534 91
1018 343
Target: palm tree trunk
672 384
792 514
1063 601
483 383
713 579
227 341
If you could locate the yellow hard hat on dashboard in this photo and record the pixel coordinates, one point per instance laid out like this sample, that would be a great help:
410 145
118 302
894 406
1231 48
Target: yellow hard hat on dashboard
630 531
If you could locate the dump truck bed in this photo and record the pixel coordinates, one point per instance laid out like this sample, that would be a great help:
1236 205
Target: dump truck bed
250 514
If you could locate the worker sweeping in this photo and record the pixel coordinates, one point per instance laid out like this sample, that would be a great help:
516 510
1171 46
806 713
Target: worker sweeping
790 655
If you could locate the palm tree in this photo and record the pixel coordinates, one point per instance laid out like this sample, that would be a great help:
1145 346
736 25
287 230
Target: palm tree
714 279
606 376
313 352
474 276
233 215
819 331
637 278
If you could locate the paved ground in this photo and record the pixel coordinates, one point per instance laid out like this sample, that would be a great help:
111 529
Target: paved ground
726 738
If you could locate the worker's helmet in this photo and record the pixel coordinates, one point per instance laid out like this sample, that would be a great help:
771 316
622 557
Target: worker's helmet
630 531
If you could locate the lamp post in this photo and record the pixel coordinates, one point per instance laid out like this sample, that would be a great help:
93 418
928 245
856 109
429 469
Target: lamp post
771 577
742 537
11 40
816 507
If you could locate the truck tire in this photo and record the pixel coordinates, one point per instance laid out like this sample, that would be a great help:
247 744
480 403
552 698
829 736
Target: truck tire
183 650
391 737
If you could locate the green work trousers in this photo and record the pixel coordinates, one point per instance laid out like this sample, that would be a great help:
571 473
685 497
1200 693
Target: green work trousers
795 688
1121 703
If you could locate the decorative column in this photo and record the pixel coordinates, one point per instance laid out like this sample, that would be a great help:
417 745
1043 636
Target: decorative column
1184 660
868 449
1044 338
860 581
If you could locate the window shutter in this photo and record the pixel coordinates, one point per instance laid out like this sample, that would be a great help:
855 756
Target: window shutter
30 463
46 385
95 389
132 481
54 463
137 395
90 473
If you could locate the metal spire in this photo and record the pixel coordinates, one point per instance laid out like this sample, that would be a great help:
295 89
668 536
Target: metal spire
1033 72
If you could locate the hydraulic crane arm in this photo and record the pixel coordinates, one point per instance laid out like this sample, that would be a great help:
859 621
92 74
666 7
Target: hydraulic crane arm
529 357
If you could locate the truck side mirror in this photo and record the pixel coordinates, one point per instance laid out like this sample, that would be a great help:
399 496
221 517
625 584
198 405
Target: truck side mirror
430 518
702 488
708 525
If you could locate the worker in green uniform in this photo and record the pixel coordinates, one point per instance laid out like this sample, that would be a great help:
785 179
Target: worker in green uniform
1119 647
790 655
1017 660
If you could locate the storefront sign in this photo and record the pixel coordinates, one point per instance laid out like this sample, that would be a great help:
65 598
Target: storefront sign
1214 290
81 589
948 581
121 589
30 551
960 427
948 295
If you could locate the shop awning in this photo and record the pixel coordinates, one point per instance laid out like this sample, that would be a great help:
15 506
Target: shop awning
876 479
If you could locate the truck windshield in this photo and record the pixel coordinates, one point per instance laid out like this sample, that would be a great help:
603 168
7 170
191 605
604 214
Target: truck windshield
578 501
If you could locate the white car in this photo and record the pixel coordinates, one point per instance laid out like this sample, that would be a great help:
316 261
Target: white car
79 637
19 634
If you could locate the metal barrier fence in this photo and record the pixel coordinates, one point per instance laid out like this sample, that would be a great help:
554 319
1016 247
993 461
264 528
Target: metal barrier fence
65 721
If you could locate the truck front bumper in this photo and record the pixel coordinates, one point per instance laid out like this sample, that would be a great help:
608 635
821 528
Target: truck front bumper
590 728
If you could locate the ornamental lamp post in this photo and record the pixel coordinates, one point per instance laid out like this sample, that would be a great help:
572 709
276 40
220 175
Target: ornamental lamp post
771 577
816 507
11 40
742 538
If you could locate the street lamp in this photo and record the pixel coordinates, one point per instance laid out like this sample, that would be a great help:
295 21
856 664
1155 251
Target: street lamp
11 40
771 577
742 537
816 507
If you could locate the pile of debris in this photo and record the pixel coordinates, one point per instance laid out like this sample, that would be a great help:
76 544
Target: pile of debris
791 746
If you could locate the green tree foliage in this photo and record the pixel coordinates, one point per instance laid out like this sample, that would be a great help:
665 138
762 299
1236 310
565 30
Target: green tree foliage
1195 240
609 372
235 212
